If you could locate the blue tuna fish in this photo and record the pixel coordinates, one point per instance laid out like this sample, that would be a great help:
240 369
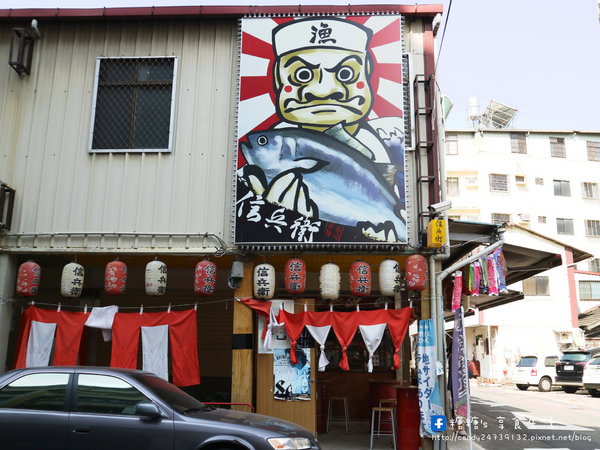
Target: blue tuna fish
342 185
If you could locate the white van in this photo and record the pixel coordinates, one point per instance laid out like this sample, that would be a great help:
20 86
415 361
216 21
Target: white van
536 371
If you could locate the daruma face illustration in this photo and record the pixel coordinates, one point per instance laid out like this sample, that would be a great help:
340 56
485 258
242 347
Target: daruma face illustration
323 86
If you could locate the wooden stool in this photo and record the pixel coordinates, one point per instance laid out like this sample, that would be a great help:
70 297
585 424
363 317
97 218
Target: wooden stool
377 410
331 417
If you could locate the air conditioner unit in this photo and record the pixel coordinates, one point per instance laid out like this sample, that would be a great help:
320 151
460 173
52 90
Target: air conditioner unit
524 217
565 337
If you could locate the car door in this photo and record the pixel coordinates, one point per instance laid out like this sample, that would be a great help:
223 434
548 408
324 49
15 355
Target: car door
33 412
103 417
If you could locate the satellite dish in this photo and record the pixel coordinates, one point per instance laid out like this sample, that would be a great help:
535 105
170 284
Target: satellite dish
497 115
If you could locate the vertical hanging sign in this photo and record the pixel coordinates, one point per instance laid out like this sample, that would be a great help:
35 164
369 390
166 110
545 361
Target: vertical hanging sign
430 400
459 379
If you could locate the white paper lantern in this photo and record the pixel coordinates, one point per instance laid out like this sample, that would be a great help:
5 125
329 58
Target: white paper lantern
264 281
330 280
156 278
389 277
71 282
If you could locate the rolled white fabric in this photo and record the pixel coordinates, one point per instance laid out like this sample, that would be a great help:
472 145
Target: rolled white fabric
330 280
103 317
372 335
155 345
39 344
320 334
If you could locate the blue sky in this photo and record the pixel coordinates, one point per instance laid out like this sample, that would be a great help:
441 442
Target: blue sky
539 56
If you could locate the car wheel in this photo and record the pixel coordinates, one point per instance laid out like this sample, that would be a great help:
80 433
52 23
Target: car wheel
570 389
522 387
545 384
594 392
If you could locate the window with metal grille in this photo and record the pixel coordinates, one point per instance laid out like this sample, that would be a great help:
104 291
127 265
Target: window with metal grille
133 105
594 265
541 219
451 144
590 190
518 142
452 186
498 183
564 226
562 188
557 147
536 286
592 228
499 219
520 179
589 290
593 150
539 181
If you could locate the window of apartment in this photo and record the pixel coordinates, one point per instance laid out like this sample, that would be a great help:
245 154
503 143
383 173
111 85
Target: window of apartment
594 265
564 226
541 219
539 181
520 179
133 105
499 219
451 144
453 217
557 147
452 186
590 190
562 188
593 150
518 142
589 290
592 228
536 286
498 183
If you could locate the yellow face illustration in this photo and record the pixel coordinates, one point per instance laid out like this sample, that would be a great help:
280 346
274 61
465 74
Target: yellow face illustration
322 87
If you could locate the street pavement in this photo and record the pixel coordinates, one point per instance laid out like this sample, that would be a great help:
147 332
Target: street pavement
504 418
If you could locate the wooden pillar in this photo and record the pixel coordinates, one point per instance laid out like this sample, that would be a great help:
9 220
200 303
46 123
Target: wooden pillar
242 368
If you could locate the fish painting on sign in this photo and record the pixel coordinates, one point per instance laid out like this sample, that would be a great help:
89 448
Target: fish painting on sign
320 131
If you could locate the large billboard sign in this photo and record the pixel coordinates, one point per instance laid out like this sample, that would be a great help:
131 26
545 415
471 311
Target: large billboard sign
320 131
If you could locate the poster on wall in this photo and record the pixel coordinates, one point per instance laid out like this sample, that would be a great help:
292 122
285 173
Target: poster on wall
321 131
291 381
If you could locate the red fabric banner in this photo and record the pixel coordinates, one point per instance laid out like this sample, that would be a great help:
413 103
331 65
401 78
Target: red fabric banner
69 327
183 339
345 325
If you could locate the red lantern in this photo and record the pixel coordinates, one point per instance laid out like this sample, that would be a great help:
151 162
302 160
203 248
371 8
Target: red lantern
360 279
205 278
115 278
416 273
295 276
28 279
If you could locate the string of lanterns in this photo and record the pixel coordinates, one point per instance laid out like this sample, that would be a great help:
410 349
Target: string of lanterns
205 278
115 278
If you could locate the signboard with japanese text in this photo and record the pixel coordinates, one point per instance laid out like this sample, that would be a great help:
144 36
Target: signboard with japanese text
430 400
321 131
459 380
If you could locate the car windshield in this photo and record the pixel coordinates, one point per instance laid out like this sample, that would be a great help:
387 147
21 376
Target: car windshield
575 357
179 400
527 361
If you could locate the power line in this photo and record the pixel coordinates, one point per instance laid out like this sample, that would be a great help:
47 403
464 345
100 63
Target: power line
443 33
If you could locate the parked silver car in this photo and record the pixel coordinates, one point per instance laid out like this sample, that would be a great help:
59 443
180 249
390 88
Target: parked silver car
72 408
